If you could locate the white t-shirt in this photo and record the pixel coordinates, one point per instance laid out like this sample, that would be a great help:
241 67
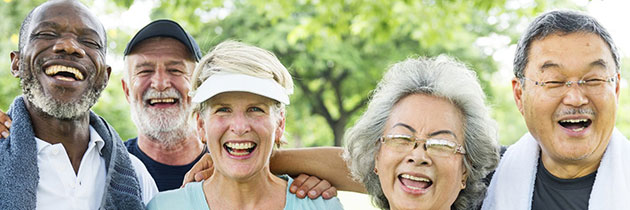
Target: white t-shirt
60 188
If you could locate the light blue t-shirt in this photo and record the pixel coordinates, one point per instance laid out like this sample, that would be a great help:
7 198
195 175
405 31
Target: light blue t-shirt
191 197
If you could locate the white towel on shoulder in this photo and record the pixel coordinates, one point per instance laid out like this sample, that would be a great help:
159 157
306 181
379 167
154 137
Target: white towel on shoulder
512 185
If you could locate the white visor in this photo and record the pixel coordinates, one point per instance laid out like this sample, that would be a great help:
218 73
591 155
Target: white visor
234 82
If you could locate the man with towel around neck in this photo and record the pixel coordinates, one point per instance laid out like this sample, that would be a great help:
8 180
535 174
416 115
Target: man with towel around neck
566 86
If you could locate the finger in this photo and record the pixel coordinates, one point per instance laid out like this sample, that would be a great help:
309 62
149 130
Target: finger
5 120
204 163
5 125
203 175
306 187
329 193
318 189
297 182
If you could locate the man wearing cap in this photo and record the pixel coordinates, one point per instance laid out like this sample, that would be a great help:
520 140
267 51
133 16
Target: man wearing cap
159 61
59 154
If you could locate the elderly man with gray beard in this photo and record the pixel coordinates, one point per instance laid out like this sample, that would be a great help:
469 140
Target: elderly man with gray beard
59 154
159 61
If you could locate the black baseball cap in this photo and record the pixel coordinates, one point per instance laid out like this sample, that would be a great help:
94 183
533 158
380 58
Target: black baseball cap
165 28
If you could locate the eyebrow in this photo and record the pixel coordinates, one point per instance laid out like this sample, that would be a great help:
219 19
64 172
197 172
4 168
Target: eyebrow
174 63
144 64
600 63
82 31
406 126
548 65
440 132
435 133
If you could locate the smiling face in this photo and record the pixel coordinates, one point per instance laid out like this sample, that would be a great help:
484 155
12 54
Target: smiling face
159 71
415 179
240 129
575 126
62 64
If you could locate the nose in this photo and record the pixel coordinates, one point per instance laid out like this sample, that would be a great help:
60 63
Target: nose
419 156
239 124
69 46
575 96
160 80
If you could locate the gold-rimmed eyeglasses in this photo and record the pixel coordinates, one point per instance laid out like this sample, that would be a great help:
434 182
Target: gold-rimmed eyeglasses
590 86
433 146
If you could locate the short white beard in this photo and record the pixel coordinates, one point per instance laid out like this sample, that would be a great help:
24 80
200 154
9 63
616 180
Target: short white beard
168 127
34 93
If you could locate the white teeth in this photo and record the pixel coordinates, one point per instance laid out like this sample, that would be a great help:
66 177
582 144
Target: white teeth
412 187
244 145
574 121
578 129
414 178
161 100
54 69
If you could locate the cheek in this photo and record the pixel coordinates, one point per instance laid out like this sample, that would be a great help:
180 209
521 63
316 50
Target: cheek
387 162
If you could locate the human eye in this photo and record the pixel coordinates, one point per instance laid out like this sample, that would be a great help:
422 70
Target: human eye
255 109
440 145
554 83
176 72
594 81
222 110
45 34
144 72
400 139
91 43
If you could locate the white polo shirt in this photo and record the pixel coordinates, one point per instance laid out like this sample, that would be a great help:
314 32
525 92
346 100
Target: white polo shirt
60 188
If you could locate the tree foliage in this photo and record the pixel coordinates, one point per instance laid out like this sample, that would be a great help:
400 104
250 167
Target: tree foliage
336 50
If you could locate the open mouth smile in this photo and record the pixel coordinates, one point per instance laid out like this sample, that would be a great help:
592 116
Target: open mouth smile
162 101
414 184
575 125
64 73
240 149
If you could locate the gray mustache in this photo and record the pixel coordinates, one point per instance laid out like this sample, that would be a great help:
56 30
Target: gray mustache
573 111
168 93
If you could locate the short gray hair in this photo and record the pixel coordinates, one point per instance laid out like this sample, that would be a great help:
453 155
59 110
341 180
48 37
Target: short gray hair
564 22
441 77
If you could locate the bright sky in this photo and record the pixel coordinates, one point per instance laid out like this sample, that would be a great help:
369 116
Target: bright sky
612 14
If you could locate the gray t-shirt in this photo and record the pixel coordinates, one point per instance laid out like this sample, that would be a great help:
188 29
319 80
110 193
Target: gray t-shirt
551 193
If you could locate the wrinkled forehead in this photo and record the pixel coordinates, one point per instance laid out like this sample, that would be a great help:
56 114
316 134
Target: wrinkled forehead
66 14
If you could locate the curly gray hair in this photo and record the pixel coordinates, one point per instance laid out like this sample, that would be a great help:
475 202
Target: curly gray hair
441 77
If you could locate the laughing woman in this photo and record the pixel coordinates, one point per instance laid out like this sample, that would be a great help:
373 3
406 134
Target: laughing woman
426 140
240 95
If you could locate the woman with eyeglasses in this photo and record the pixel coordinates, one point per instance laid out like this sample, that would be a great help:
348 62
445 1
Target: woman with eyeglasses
426 140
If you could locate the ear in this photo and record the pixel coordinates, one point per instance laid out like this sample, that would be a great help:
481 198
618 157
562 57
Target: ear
201 130
109 71
15 63
617 84
280 129
125 89
517 90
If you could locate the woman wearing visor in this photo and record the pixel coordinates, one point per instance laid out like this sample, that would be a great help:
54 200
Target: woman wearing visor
240 93
426 141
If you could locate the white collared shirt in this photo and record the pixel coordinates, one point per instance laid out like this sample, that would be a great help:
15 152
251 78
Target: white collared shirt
60 188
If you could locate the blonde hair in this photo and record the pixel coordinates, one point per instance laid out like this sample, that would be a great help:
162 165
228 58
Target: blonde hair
241 58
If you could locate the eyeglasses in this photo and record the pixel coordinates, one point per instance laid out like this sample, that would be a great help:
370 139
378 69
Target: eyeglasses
433 146
590 86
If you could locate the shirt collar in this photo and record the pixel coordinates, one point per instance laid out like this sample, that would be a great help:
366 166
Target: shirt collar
94 139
